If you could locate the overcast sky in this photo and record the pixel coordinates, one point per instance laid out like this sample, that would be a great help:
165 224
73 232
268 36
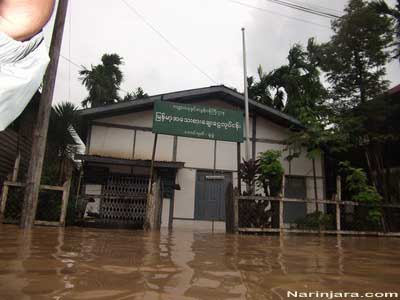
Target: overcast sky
205 31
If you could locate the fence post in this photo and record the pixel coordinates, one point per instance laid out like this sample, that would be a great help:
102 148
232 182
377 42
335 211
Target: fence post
338 200
65 198
16 167
4 194
281 223
235 210
152 206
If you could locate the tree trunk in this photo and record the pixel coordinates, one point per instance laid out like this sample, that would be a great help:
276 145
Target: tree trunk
315 185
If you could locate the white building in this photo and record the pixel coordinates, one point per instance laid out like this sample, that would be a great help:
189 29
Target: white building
119 143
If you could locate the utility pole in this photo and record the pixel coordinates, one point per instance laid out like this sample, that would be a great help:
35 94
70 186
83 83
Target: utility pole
246 98
32 186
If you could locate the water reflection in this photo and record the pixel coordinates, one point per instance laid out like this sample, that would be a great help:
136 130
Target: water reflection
77 263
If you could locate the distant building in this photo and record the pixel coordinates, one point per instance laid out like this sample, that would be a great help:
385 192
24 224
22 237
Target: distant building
119 142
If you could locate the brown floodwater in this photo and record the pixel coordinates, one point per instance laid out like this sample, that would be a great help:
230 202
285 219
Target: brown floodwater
81 263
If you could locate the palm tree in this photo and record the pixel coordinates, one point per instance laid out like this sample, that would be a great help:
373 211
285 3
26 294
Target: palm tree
298 81
264 91
62 138
382 8
102 81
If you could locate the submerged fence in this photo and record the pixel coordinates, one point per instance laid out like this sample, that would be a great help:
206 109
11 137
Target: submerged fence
256 214
52 201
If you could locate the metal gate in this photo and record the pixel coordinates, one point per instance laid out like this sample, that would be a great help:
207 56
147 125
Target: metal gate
124 201
211 191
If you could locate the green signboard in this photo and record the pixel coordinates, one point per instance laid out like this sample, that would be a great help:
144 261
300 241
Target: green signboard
197 121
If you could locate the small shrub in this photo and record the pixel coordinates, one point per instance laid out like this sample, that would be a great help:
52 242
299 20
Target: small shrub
271 172
249 171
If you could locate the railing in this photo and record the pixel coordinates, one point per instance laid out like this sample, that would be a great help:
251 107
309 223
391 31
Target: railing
267 214
256 214
47 215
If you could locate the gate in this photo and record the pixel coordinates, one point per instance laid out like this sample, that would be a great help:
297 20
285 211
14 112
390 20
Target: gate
124 201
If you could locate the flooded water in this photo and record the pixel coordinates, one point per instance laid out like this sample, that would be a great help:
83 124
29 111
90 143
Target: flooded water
78 263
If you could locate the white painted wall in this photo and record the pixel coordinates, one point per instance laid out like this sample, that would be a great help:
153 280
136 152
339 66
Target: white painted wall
142 119
184 199
196 153
165 212
113 142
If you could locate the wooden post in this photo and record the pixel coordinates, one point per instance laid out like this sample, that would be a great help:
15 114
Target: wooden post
65 198
239 181
4 196
236 196
153 156
152 208
42 123
229 210
6 188
281 223
338 200
16 168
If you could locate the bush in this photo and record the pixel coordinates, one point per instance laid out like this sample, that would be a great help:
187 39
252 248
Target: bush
271 172
360 191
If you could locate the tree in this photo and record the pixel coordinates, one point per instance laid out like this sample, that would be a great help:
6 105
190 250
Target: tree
355 61
298 81
135 95
382 8
102 81
356 56
264 92
316 138
62 138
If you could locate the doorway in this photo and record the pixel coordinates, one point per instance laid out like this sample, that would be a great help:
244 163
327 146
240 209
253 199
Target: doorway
211 190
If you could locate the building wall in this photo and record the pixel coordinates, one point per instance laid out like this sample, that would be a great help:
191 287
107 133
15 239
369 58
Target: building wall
137 143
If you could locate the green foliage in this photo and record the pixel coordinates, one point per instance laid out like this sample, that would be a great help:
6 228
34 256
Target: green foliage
359 189
135 95
249 171
271 172
356 56
102 81
298 82
62 136
316 220
61 141
382 8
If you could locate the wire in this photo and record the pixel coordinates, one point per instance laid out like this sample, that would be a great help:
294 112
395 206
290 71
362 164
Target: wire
163 37
304 9
69 49
315 6
278 14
